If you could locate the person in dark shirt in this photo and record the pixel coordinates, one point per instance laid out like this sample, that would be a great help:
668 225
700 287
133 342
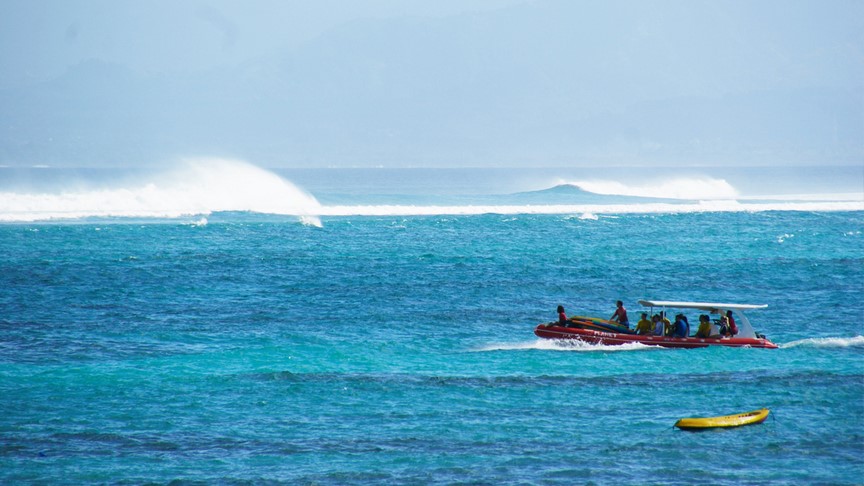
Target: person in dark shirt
680 330
733 328
724 327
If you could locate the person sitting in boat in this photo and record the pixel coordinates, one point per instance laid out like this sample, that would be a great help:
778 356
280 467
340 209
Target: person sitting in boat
724 327
658 325
680 328
667 324
733 328
645 325
620 315
704 327
562 317
668 327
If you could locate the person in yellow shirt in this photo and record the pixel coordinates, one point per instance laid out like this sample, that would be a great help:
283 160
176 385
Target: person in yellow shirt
704 327
645 326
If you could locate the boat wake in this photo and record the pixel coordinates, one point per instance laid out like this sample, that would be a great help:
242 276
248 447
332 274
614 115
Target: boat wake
566 345
853 342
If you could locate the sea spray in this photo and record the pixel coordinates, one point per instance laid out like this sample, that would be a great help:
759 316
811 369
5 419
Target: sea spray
194 187
202 187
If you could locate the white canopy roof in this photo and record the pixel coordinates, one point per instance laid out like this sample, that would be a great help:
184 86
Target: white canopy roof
708 306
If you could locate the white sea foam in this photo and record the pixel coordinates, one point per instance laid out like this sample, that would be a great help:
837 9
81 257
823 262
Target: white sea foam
841 196
308 220
691 188
565 345
592 209
196 187
201 187
784 237
857 341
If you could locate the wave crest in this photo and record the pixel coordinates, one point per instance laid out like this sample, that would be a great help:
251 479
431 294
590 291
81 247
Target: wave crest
689 188
196 187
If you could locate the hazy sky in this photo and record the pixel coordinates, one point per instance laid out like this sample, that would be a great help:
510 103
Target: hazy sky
443 83
40 39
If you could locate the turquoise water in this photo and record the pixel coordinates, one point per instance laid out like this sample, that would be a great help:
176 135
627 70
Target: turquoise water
399 349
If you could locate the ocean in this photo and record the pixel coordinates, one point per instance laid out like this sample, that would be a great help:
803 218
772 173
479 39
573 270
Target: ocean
216 322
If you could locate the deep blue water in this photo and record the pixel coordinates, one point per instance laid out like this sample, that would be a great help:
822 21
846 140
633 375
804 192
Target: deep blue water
183 325
400 350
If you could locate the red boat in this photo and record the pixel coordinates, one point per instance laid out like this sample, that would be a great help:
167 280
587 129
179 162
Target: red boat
599 331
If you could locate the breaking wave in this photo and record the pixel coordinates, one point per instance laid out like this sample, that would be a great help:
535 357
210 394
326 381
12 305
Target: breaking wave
853 342
691 188
200 187
197 187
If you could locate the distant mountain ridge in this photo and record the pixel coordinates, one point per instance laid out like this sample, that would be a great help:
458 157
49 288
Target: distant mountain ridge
520 86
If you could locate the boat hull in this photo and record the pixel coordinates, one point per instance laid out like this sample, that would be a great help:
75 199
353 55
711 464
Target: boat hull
736 420
592 336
